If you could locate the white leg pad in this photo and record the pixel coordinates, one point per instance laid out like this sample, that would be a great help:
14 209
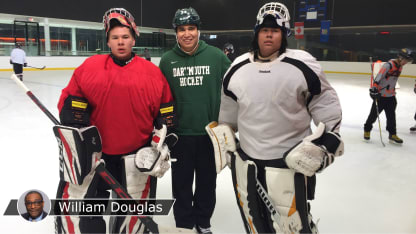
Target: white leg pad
138 186
136 181
281 189
243 193
74 191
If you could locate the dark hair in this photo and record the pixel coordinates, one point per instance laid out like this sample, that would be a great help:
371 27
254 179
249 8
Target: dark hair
32 192
255 43
115 23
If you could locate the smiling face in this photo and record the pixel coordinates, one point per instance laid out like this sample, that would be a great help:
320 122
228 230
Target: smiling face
270 40
121 42
34 205
187 37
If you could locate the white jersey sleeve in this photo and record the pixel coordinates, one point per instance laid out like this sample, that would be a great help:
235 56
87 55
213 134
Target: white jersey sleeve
325 106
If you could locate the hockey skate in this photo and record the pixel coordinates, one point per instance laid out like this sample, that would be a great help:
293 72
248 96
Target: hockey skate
202 230
395 139
366 135
413 129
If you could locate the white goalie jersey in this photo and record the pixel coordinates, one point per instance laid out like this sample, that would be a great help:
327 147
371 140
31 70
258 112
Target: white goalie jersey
273 103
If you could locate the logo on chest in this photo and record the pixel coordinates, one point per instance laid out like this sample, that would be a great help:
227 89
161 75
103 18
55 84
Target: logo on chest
264 71
191 76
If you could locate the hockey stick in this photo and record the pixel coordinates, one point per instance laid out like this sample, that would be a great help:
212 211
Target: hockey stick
35 99
40 68
375 100
379 125
100 169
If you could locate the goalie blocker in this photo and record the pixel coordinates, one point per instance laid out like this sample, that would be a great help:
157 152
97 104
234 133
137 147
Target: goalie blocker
79 151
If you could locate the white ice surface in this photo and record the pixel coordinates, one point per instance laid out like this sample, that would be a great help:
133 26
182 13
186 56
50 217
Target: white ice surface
370 189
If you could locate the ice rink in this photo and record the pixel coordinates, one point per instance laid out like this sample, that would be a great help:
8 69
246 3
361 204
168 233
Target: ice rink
370 189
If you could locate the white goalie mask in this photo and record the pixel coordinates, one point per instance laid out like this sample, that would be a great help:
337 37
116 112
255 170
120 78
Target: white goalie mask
278 11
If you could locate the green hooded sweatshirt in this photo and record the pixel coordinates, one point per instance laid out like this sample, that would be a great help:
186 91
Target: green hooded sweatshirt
195 81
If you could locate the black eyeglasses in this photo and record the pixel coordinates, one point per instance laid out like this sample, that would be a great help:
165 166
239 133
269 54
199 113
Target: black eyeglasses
35 203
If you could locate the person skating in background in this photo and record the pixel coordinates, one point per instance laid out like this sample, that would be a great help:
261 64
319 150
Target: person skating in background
18 60
194 71
147 54
383 93
228 50
413 129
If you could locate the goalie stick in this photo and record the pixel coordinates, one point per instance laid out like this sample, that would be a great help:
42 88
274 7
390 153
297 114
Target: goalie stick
150 224
40 68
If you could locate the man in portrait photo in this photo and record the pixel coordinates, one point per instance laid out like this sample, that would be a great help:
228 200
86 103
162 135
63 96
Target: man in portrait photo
34 205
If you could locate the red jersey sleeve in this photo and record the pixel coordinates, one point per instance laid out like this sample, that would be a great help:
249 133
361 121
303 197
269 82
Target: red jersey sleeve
167 95
72 89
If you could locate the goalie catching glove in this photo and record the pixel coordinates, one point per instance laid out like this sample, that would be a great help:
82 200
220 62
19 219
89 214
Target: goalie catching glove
315 152
223 140
154 160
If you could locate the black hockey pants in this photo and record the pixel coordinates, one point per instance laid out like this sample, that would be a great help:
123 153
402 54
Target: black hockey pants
388 104
195 159
18 70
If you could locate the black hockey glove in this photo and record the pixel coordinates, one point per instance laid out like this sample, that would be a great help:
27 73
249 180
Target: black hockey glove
25 65
374 93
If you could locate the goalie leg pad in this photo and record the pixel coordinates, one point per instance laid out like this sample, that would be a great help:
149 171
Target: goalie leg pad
138 185
136 182
288 192
66 190
79 151
244 172
279 205
223 140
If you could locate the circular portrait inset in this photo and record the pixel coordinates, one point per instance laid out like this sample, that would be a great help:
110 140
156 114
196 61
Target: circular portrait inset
34 205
